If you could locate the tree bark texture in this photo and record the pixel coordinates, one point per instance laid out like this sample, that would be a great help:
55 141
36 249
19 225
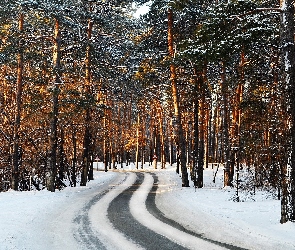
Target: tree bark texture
54 115
17 120
226 141
200 179
288 79
196 137
179 128
87 133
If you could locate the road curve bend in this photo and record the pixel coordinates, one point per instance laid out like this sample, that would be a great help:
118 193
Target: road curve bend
138 207
124 215
121 216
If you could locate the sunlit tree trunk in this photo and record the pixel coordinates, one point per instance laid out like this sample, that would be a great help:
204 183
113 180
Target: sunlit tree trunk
137 141
142 137
153 133
120 135
170 136
19 91
179 129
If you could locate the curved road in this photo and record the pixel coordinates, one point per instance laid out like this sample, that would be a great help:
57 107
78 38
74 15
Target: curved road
124 216
123 220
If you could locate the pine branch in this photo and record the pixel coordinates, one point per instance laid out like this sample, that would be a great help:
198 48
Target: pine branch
258 10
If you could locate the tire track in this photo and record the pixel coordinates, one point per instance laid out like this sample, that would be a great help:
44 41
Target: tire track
139 211
152 208
122 219
85 234
113 203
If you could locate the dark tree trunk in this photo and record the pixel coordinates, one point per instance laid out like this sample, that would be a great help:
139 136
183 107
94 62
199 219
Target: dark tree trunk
224 90
61 160
86 150
162 139
105 145
19 90
87 133
288 79
196 138
201 135
54 116
74 160
198 160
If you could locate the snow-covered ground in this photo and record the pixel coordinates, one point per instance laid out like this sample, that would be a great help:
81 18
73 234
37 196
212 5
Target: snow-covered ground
44 220
212 212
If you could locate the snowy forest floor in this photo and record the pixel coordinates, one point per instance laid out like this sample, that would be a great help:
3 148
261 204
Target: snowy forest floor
44 220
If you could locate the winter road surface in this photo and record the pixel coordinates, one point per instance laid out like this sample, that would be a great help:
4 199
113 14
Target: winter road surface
123 215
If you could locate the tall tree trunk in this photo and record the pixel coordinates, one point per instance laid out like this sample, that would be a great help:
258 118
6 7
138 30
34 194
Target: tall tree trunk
179 129
105 145
236 122
86 150
275 111
170 135
196 136
87 133
61 169
152 136
19 91
54 116
288 79
214 137
74 160
162 138
142 138
224 90
198 159
201 134
137 141
207 133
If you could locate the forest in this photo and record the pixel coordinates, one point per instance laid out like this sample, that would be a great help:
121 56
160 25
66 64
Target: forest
189 83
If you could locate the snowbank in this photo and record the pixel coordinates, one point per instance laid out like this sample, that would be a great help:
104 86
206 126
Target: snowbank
212 212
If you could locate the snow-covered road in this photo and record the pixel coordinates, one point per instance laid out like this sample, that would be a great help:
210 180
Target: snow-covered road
117 218
93 217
